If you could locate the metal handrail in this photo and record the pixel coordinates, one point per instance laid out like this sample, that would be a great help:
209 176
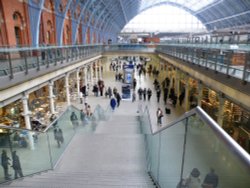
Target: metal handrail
18 49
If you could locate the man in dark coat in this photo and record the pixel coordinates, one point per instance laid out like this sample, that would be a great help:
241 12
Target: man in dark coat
5 164
74 119
211 179
118 99
58 134
16 165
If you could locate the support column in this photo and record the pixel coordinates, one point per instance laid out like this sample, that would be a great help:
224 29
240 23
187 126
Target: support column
26 114
221 109
96 73
167 71
91 74
78 83
177 84
51 97
200 93
186 100
99 69
85 76
171 79
67 89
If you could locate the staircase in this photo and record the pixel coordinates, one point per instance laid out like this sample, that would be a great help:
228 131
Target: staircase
113 156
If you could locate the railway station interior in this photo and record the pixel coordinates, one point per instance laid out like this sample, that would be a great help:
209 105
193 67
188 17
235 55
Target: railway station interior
125 93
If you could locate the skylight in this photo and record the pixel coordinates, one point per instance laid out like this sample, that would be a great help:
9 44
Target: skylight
165 18
193 5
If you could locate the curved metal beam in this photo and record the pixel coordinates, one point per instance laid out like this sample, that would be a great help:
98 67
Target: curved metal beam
83 8
35 11
124 13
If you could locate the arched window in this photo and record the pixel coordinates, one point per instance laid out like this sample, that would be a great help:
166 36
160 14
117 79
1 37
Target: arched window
16 16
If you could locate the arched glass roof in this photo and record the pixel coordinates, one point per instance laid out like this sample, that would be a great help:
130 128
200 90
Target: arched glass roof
112 15
165 18
193 5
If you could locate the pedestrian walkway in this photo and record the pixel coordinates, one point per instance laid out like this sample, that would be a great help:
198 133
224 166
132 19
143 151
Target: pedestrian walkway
144 81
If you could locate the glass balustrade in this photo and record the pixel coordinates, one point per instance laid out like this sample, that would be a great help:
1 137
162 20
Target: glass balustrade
194 141
25 152
19 157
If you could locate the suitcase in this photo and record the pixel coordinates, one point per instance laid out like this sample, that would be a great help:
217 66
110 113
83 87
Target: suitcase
167 111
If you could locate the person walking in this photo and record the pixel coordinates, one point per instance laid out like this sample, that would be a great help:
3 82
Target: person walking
211 180
58 135
16 165
118 98
193 180
144 94
113 103
134 83
109 92
165 94
149 92
5 164
159 115
158 94
133 96
74 119
140 91
181 97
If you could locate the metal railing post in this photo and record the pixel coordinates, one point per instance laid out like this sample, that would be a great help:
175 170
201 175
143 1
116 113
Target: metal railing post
10 66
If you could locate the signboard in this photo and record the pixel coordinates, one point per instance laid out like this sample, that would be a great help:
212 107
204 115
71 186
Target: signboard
126 93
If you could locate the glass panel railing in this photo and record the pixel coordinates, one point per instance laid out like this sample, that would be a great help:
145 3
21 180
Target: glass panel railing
61 132
20 158
193 149
40 151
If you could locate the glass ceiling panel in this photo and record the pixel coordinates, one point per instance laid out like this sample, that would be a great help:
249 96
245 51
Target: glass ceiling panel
164 18
193 5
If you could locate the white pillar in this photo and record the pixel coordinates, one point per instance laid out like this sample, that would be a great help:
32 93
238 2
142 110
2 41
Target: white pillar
96 72
187 105
200 93
51 98
177 83
171 79
91 74
99 69
220 110
26 114
67 89
85 76
78 83
167 72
